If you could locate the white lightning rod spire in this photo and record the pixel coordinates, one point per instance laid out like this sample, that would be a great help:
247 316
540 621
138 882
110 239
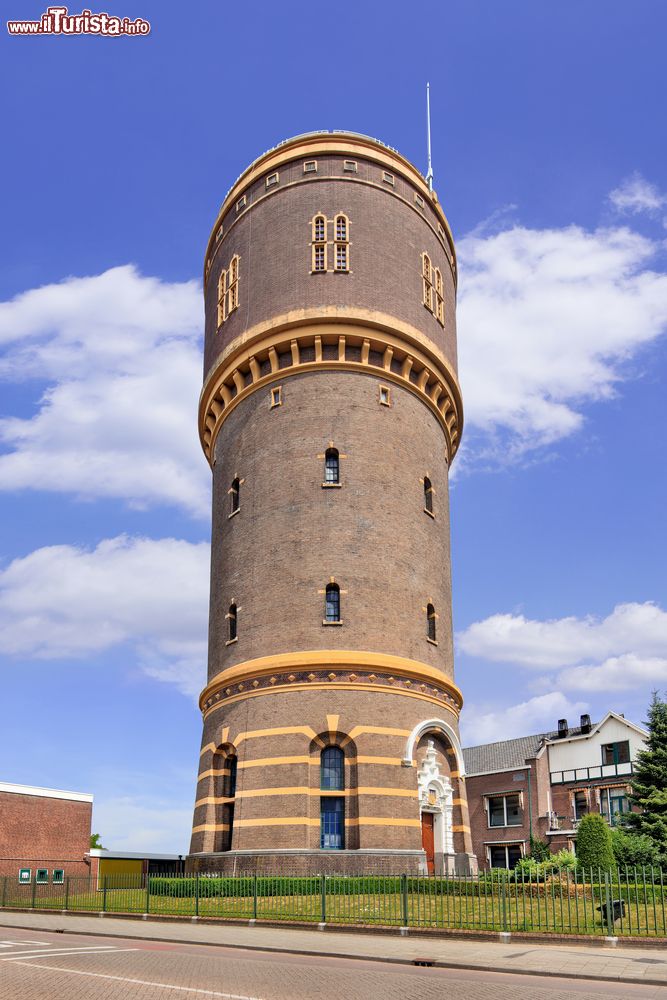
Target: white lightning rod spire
429 172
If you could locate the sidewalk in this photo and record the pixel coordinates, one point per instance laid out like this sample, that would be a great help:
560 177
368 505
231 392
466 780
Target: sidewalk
632 963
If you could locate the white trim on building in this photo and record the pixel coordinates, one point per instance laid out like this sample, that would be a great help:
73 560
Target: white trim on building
45 793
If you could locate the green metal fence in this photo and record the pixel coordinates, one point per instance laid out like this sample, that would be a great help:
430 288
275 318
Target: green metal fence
623 902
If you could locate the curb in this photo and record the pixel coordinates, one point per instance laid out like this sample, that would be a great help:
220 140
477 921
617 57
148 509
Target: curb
388 960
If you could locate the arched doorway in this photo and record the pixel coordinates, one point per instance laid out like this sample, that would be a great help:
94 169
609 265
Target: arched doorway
436 803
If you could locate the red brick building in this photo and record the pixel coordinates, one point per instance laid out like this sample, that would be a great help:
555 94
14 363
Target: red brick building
542 785
330 416
44 833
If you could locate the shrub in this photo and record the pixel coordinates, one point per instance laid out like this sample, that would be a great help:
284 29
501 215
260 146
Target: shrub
633 849
539 849
594 848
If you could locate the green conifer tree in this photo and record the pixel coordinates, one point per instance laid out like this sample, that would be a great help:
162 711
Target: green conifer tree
594 849
649 782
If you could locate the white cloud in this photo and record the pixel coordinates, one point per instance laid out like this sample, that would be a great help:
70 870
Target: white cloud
635 195
548 320
67 602
127 823
630 628
121 355
537 715
617 673
626 649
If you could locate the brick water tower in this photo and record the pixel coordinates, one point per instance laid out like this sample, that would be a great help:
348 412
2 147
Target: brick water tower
330 415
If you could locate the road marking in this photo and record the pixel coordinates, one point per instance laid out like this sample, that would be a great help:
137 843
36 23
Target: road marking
51 953
140 982
11 944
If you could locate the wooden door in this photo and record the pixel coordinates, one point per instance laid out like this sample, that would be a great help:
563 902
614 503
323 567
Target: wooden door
427 841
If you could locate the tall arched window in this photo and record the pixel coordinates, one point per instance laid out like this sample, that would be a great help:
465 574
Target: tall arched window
229 793
331 466
232 619
428 495
427 281
439 298
235 496
332 603
233 284
319 243
332 807
430 622
341 243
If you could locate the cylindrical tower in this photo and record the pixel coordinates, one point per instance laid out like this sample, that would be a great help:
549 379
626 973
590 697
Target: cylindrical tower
330 413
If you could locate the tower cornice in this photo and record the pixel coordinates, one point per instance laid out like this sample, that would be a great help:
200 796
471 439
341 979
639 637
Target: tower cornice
423 370
331 668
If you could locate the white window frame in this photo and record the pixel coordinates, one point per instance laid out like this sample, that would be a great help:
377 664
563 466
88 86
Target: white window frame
504 796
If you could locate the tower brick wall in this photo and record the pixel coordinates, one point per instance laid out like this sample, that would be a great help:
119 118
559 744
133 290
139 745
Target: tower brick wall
361 360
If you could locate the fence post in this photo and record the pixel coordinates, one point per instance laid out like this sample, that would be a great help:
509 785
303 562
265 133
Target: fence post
66 892
4 890
609 906
148 893
254 897
503 899
197 893
404 896
34 890
323 885
104 894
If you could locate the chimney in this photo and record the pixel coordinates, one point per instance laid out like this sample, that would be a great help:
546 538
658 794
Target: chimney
585 723
562 728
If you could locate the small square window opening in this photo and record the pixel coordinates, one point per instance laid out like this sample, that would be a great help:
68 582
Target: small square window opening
350 166
241 203
310 167
419 201
276 396
42 875
58 876
387 178
272 179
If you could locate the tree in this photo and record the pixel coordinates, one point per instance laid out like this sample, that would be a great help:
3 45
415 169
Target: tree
649 783
95 842
594 848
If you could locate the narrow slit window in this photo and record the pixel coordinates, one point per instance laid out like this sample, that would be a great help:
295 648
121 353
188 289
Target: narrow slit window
332 603
235 496
232 622
430 622
385 395
331 466
428 496
419 201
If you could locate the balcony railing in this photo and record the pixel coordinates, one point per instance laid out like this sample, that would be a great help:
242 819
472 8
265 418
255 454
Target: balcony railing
591 773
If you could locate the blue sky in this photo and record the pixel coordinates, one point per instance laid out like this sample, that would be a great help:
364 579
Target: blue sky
549 157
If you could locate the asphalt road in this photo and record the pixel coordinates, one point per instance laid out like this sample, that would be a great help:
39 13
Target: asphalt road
51 966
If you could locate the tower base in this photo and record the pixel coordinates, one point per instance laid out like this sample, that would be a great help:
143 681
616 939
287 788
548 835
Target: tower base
299 861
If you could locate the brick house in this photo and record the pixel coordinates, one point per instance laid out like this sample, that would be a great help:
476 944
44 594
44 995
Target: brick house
541 785
44 833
